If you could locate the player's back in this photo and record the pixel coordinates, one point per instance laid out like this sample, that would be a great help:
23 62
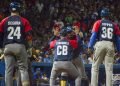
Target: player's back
106 30
63 50
13 30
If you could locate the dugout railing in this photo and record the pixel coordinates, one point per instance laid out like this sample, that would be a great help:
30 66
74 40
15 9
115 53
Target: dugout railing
46 67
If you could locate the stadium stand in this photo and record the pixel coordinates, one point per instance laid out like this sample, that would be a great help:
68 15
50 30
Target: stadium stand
44 15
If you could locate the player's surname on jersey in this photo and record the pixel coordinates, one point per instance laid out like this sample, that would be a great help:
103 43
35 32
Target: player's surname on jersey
67 43
107 24
14 23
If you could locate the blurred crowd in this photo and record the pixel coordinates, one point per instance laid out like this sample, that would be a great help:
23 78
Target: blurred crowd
45 15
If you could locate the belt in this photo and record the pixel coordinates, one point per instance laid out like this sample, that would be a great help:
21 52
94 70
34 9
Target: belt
107 40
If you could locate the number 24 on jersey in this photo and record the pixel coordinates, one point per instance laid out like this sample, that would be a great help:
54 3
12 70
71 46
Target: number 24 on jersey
14 32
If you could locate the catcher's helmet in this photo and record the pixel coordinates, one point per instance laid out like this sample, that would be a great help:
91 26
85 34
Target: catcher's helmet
105 12
15 6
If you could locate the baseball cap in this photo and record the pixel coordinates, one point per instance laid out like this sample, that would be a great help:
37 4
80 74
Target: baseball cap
76 24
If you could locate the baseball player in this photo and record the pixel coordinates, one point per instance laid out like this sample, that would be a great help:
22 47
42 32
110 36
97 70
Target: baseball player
63 51
16 32
77 60
73 36
105 33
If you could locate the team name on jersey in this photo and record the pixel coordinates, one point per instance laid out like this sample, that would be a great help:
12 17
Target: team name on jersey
107 24
14 22
66 43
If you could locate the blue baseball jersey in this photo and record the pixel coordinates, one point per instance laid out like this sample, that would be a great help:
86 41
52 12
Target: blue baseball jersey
105 30
14 29
63 49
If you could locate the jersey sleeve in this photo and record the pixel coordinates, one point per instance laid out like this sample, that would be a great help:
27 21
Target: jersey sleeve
117 38
92 40
117 30
27 29
1 28
96 26
1 31
73 43
27 25
2 24
52 44
93 37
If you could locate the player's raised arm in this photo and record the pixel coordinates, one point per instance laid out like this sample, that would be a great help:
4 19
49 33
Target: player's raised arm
52 44
56 30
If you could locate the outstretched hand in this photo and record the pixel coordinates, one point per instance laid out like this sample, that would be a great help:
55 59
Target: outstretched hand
29 51
90 51
56 32
117 54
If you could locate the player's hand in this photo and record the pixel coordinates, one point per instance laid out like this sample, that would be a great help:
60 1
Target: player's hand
1 51
76 30
56 32
90 51
29 51
1 54
81 34
117 54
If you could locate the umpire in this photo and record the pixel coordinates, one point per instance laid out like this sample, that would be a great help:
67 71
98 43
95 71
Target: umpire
16 31
63 50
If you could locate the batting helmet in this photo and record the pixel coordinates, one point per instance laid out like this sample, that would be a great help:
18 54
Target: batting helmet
104 12
63 32
69 29
15 6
